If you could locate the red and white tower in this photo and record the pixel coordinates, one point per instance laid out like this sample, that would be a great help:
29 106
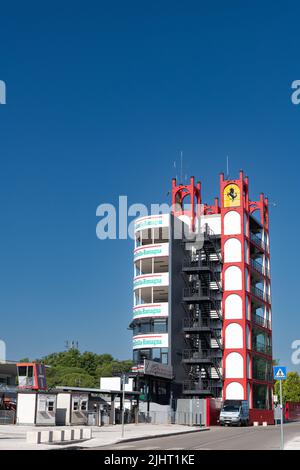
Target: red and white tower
246 304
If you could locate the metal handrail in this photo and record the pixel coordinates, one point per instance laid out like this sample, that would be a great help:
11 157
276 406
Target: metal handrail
260 294
258 241
262 348
196 322
261 321
265 376
202 354
196 292
209 233
260 268
197 263
201 384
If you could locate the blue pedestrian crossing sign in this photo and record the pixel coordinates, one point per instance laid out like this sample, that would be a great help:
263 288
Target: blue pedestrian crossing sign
279 373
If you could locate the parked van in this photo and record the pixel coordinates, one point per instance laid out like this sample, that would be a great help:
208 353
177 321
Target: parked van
234 413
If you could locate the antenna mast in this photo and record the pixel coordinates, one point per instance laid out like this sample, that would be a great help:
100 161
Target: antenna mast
227 162
181 166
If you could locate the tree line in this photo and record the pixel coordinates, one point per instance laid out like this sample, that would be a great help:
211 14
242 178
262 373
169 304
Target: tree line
75 369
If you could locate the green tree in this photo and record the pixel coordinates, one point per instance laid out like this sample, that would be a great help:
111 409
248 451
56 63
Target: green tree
290 387
89 362
75 369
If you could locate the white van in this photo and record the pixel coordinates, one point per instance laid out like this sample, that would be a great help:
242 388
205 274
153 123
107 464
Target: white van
234 413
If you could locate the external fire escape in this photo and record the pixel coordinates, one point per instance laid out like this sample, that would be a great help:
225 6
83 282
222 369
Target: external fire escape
202 324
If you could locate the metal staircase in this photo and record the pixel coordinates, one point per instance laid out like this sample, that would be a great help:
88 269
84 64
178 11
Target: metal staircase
202 325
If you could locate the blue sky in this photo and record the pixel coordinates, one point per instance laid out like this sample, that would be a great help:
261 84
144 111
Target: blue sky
101 99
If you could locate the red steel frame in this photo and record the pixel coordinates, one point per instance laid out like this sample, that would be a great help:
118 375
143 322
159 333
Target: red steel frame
246 207
35 375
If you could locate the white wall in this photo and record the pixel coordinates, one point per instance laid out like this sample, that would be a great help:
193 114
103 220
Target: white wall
114 383
232 250
234 336
233 307
232 223
234 366
26 408
234 391
63 408
213 221
233 278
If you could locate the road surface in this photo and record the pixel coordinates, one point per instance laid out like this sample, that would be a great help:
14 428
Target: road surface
217 438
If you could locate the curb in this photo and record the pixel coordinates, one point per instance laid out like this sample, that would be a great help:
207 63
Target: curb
155 436
144 438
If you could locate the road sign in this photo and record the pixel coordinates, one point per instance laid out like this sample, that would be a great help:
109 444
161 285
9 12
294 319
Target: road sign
279 373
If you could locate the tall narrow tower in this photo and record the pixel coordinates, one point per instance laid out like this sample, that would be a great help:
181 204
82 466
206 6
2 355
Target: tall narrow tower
246 304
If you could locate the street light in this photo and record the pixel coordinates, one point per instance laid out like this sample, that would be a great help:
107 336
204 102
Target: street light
124 380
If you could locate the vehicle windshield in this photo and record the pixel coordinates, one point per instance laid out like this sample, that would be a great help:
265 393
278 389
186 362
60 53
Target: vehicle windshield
231 408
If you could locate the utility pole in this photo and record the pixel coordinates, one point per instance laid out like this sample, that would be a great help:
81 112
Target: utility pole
280 374
123 403
281 418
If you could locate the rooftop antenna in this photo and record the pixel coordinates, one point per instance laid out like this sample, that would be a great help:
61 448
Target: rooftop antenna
181 166
175 168
227 169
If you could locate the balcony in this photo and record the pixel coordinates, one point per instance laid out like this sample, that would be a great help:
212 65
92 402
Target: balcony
261 321
259 268
151 280
158 250
260 294
198 324
196 293
263 376
196 264
258 242
262 348
205 387
152 310
203 356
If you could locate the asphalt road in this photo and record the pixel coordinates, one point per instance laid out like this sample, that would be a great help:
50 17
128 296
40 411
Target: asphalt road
217 438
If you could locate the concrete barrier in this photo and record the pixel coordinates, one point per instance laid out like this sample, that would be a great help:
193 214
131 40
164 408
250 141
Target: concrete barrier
255 423
58 435
265 423
86 433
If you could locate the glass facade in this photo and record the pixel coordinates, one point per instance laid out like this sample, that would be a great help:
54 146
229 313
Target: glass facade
153 354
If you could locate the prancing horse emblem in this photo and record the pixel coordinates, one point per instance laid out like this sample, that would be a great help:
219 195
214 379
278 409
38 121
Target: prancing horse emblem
232 194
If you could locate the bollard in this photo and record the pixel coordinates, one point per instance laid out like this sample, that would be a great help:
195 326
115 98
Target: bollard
46 436
57 436
86 433
33 437
77 434
69 435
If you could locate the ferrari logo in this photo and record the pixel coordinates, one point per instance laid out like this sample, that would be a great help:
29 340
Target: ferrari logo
232 196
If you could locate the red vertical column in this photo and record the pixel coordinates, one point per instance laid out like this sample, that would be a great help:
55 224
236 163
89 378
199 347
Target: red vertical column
235 276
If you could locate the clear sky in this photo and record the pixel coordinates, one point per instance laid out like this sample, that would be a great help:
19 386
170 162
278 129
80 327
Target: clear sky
101 99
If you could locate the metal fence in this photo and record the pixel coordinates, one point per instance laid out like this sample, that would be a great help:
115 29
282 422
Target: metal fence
172 417
189 419
7 417
157 417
